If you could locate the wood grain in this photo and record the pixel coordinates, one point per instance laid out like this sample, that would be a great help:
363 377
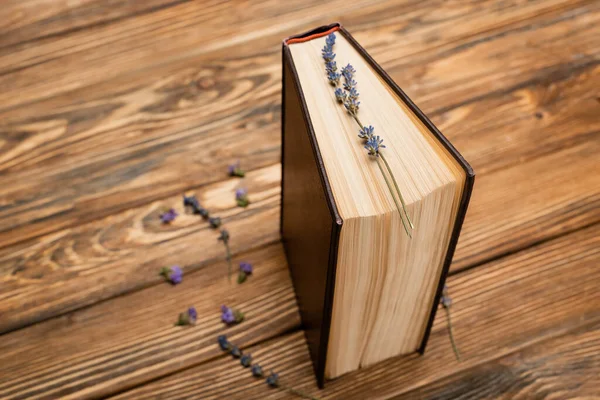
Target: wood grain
135 139
509 210
556 368
498 309
111 110
78 355
73 268
23 22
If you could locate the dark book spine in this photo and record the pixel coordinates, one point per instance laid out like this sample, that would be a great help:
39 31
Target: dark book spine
310 223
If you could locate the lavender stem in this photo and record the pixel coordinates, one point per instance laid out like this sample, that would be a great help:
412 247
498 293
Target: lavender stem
398 190
228 257
393 197
451 334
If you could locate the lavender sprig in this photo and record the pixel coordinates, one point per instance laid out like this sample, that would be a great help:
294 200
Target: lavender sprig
446 302
256 370
349 98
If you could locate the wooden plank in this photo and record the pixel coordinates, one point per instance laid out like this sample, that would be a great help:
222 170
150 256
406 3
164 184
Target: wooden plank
500 308
26 21
567 366
76 267
77 354
130 141
172 34
511 208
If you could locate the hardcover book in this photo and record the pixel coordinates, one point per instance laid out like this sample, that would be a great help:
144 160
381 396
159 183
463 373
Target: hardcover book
373 200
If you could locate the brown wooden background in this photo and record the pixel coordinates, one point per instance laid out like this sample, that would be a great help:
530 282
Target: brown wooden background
110 110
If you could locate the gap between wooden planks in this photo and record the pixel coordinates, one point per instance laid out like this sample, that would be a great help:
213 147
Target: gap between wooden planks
135 139
500 308
511 208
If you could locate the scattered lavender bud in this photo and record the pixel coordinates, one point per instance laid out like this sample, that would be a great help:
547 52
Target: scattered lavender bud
193 203
168 216
187 318
224 343
373 145
242 276
330 40
348 72
257 371
446 300
214 222
246 360
352 105
224 236
236 352
173 274
241 197
340 95
231 316
190 201
333 77
366 132
273 380
236 170
246 267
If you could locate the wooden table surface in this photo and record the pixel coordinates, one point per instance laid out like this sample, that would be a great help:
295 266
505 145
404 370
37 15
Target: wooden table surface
111 110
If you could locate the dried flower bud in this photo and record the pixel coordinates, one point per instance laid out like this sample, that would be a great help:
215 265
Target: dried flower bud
330 40
340 95
352 105
236 352
241 197
242 276
187 318
236 170
348 72
366 132
246 360
273 380
445 300
224 343
257 371
373 145
333 77
224 236
173 274
168 216
214 222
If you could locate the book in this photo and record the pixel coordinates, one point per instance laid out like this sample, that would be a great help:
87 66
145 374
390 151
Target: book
369 233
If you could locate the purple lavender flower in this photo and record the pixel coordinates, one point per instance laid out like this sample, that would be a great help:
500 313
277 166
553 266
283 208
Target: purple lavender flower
340 95
446 300
173 274
241 197
352 105
246 268
353 93
366 132
227 315
350 84
230 316
168 216
236 170
333 77
373 145
328 54
348 72
331 66
187 318
330 40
